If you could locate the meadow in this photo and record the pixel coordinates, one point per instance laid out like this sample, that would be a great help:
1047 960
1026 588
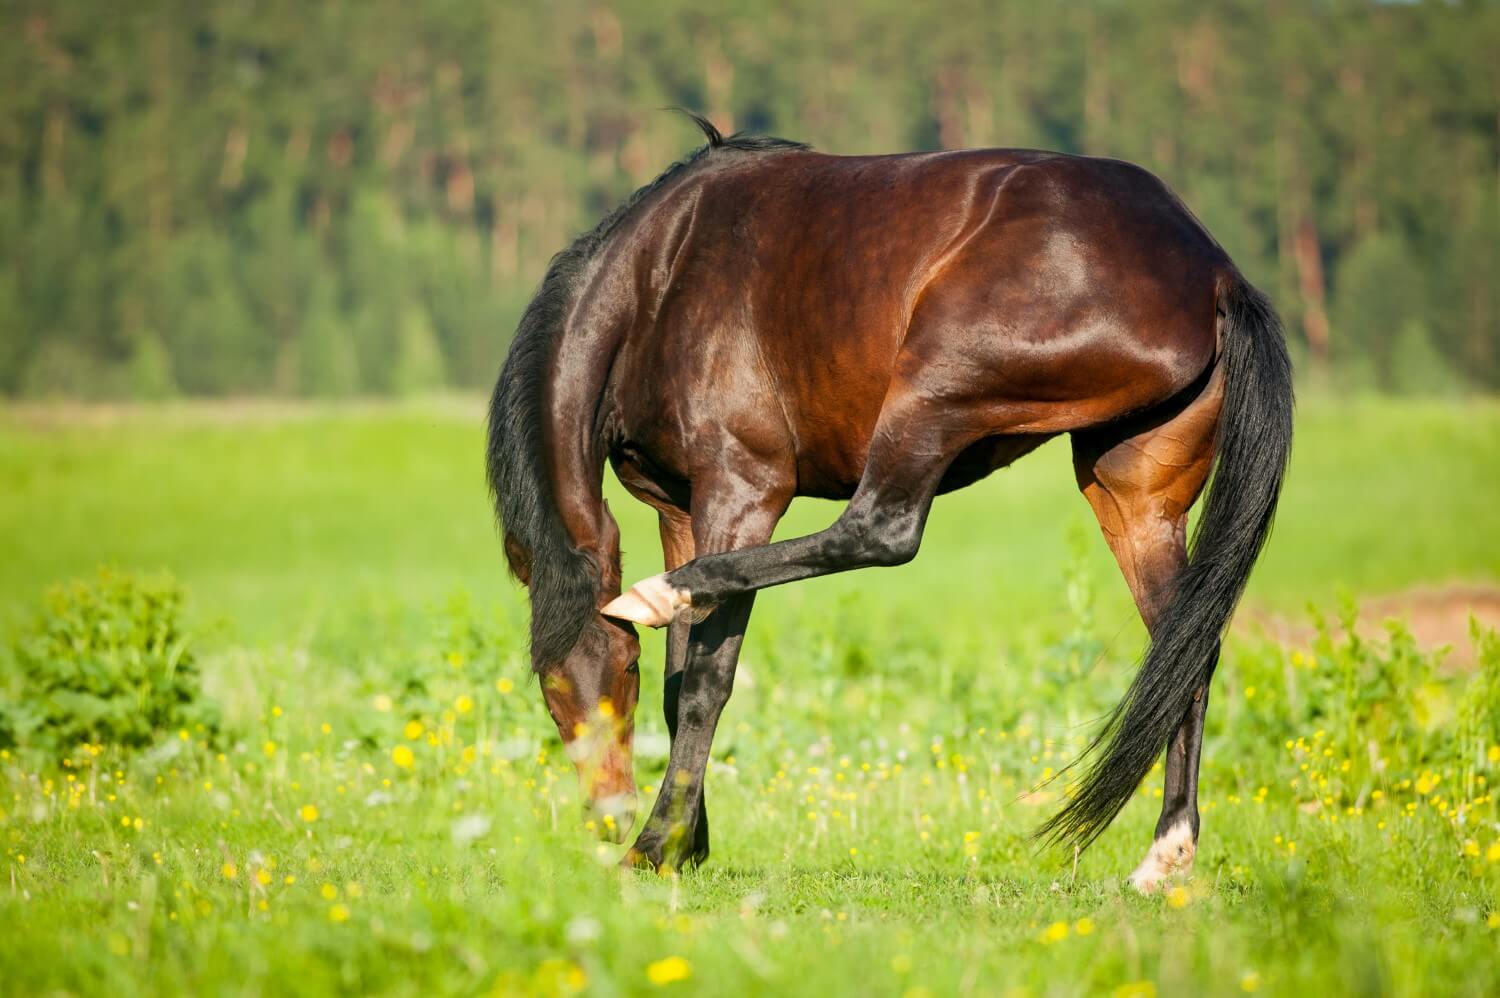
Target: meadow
378 802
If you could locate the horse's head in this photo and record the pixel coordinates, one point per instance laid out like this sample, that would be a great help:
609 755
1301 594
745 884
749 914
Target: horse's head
591 685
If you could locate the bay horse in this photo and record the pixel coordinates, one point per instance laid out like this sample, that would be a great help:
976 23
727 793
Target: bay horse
763 321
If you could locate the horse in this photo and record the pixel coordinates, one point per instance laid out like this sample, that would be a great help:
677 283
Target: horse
764 321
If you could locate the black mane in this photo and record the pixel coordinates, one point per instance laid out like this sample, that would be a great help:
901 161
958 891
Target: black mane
564 581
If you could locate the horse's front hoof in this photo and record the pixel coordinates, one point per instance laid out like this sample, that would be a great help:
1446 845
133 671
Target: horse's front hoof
667 855
651 602
648 860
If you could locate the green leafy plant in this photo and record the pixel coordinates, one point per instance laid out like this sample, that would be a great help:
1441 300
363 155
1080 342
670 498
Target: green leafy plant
106 662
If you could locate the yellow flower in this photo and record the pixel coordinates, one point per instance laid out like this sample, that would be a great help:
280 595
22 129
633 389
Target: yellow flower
289 879
463 703
230 871
329 892
338 913
1250 983
1136 989
413 730
382 703
503 685
353 890
668 971
1055 933
1177 897
270 749
275 711
553 977
1492 854
1084 926
456 659
263 876
1494 920
403 757
1494 753
308 813
1471 848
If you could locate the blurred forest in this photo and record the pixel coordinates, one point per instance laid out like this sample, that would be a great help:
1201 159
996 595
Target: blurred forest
357 196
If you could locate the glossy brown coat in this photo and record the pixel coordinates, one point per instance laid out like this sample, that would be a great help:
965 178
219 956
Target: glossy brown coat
766 322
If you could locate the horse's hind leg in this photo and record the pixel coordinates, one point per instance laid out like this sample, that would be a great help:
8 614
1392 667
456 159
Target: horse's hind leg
1140 479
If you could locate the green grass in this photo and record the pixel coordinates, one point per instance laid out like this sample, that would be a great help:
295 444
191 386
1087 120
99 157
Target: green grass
869 792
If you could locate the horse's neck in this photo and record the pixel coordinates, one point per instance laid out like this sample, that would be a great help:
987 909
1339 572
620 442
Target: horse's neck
576 421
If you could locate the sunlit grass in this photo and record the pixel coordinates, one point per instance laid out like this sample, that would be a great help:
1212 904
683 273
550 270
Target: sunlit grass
386 808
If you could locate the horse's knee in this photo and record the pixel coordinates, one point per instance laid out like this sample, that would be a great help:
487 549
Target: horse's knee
876 539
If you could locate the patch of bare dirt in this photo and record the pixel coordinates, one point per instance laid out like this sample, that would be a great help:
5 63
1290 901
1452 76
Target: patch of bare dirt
1435 615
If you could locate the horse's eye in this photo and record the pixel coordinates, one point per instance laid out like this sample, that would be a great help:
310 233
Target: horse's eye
634 667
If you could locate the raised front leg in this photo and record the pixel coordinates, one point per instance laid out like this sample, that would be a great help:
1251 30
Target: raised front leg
915 441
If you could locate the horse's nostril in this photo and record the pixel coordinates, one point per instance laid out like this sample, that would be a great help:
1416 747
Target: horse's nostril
613 816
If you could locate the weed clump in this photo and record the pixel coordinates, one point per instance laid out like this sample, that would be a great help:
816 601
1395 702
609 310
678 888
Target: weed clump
106 662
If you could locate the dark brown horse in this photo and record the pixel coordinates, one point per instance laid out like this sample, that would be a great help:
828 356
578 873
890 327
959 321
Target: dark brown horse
764 322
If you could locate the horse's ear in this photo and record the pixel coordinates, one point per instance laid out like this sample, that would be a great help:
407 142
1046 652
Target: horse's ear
519 559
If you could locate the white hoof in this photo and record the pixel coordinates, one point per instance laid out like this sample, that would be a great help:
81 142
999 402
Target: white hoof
1170 855
651 602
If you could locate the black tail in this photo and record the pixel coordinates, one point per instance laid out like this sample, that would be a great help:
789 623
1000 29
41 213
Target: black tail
1254 442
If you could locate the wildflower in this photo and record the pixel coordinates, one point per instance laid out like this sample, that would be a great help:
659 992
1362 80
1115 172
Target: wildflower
1084 926
263 876
503 685
1177 897
1055 933
1494 753
1492 854
463 703
403 757
456 659
275 711
1494 920
230 871
1471 848
669 970
556 977
413 730
1136 989
338 913
1250 983
269 748
308 813
329 892
326 728
289 879
382 703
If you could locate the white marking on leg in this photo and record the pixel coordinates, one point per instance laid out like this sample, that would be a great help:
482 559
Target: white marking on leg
1170 854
